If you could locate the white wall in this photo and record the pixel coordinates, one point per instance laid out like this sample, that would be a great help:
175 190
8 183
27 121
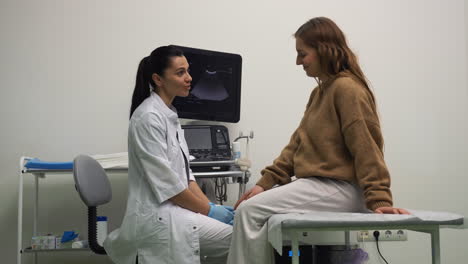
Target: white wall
68 67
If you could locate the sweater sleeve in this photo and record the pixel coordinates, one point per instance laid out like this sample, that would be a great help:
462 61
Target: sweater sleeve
363 138
283 166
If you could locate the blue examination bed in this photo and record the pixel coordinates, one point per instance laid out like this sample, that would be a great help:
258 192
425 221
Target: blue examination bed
38 164
115 161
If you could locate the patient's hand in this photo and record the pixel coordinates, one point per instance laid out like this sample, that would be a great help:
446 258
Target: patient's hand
390 210
249 194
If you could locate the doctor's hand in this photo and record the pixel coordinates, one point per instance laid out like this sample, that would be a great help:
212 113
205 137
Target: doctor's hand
221 214
390 210
229 208
249 194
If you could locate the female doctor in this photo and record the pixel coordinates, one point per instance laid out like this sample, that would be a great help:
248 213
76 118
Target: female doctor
168 218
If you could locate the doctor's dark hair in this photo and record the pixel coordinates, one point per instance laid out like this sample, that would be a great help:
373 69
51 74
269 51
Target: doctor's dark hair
329 41
157 62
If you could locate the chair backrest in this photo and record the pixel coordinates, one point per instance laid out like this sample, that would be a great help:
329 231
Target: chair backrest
91 181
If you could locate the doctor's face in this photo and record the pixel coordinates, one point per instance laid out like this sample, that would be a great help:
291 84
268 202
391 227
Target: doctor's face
308 58
176 79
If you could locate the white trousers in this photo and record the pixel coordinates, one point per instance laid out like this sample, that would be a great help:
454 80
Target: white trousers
215 238
249 240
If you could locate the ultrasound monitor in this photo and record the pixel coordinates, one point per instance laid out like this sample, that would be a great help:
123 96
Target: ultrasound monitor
198 138
216 86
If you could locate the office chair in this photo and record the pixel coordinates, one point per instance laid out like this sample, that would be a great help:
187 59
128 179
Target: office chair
94 188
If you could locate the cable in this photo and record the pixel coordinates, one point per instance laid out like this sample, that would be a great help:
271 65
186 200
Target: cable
376 235
221 190
239 137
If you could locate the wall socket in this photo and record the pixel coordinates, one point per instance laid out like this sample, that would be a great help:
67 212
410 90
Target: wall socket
385 235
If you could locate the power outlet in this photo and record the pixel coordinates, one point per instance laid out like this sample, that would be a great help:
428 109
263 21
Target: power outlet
385 235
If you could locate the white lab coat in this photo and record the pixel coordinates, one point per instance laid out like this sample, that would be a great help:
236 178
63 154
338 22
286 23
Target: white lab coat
153 227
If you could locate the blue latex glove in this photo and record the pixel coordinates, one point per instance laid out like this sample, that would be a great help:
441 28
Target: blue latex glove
220 213
230 208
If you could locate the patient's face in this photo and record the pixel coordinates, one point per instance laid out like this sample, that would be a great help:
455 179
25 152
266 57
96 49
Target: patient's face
308 58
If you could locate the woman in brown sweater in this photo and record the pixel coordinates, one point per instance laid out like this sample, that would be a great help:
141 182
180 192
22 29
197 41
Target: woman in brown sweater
336 153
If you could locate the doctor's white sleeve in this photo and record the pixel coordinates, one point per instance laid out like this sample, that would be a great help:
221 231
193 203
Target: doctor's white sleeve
148 136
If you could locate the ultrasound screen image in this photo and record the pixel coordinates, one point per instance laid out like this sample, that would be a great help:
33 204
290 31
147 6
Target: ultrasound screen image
210 87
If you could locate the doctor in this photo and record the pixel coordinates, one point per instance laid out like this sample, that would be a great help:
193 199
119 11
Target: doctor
168 218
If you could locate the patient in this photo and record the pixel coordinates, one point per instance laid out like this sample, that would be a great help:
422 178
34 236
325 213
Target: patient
335 153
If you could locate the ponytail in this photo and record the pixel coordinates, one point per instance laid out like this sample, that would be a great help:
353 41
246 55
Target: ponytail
157 62
142 88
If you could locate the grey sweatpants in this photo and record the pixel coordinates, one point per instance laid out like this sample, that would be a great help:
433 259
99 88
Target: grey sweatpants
249 237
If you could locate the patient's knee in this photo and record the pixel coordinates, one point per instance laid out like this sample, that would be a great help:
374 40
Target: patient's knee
246 207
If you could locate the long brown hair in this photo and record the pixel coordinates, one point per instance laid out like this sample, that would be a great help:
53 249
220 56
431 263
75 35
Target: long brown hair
329 41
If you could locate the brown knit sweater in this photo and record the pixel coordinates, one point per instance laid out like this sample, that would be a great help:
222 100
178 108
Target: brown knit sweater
339 137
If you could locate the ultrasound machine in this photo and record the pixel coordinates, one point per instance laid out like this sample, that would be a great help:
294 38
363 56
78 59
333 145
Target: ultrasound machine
215 96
